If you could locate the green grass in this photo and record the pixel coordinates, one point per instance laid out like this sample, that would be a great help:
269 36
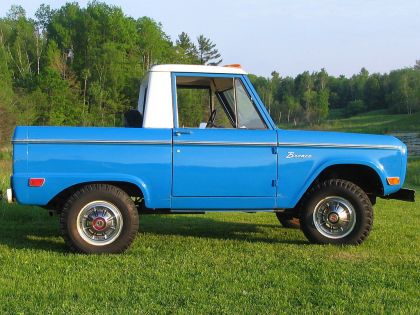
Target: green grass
5 171
413 173
373 122
214 263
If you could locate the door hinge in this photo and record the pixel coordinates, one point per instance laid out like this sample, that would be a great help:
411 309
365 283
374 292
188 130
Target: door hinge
274 183
274 150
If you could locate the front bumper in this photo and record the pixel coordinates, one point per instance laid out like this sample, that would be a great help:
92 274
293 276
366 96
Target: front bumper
403 194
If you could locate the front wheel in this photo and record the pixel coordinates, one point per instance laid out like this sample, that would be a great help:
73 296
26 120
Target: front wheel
99 219
336 212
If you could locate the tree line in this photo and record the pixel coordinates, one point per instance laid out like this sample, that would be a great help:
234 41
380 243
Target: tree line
83 65
308 98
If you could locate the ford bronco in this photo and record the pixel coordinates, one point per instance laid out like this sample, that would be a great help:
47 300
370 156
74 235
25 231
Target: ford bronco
201 140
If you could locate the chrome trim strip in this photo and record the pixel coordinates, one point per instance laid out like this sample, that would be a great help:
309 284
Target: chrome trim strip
338 145
226 143
71 141
209 143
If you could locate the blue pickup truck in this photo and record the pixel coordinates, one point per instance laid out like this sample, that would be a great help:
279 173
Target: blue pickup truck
201 140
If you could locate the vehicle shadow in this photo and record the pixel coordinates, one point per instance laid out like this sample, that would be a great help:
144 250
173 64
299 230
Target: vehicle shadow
33 229
29 228
202 226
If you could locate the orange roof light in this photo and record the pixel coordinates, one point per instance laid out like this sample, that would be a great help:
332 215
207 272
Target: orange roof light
234 65
393 181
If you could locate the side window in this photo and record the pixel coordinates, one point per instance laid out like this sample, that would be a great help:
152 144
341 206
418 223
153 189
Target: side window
142 96
197 99
193 105
215 102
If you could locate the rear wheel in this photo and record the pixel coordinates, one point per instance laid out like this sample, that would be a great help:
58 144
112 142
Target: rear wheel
98 219
336 212
288 221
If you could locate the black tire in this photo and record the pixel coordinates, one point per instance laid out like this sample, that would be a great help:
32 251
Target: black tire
288 221
113 200
349 200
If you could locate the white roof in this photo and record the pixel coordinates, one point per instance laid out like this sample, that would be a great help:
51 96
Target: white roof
197 68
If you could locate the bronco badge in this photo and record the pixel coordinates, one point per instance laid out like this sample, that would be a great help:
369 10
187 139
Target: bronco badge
293 155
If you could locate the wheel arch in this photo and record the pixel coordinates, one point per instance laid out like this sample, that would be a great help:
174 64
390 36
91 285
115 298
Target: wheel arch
365 175
58 201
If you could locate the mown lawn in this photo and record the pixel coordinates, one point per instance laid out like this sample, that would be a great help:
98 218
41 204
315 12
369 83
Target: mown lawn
215 263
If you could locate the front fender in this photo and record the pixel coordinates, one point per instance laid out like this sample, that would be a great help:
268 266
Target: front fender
297 175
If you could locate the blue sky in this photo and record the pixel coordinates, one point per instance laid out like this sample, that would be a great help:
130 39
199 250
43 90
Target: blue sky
288 36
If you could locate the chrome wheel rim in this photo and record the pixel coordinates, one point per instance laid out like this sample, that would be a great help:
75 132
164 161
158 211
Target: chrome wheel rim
99 223
334 217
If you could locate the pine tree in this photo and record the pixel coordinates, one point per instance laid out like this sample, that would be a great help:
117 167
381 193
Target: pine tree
186 48
208 53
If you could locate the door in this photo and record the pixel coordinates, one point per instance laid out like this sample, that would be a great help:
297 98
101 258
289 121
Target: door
212 157
224 163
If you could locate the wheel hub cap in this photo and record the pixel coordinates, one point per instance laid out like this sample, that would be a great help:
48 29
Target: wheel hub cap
334 217
99 223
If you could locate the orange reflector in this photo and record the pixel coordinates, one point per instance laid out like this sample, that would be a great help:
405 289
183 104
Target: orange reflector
234 65
393 180
36 182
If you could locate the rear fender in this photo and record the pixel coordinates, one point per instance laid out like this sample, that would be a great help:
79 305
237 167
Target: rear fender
57 183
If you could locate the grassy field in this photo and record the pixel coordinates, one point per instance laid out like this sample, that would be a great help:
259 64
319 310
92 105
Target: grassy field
373 122
413 173
215 263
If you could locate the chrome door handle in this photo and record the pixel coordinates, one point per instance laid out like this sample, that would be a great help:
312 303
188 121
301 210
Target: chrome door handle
183 132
